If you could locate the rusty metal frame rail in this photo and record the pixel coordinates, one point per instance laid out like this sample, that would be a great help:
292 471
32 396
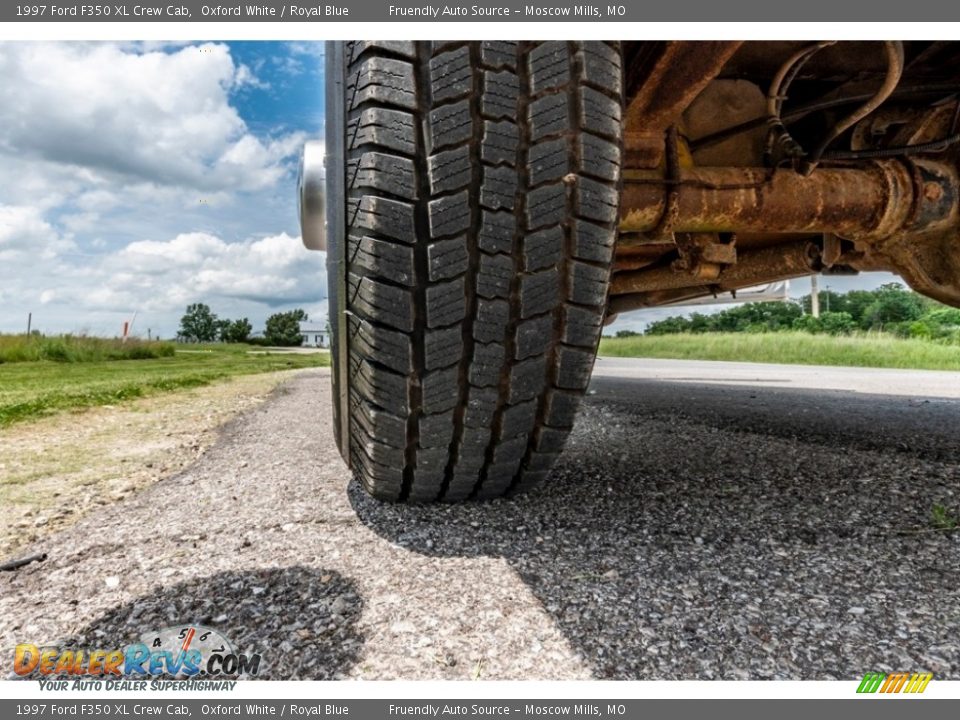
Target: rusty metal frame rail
892 211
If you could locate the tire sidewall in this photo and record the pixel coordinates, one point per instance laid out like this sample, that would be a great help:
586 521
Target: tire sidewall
336 239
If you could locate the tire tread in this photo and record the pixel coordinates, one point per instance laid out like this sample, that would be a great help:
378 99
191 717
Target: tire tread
483 197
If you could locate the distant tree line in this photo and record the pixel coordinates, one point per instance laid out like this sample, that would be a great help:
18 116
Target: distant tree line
890 308
200 324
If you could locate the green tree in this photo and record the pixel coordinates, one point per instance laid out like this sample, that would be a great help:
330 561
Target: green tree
856 303
764 316
199 324
892 304
830 301
283 329
837 323
808 323
944 317
222 325
701 323
920 329
891 308
236 331
667 326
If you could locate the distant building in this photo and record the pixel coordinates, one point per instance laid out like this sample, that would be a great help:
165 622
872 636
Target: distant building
314 334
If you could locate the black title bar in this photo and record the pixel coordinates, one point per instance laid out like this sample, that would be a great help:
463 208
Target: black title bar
485 11
86 708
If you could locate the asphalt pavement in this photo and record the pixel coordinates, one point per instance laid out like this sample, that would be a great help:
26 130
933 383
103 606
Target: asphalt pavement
706 521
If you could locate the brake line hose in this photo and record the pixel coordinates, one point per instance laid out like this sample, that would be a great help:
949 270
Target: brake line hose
778 136
775 96
895 65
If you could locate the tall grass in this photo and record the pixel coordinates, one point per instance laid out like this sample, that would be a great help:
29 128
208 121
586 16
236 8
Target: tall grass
793 348
78 348
30 390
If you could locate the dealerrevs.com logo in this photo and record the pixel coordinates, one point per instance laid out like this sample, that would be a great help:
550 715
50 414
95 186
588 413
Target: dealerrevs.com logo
177 651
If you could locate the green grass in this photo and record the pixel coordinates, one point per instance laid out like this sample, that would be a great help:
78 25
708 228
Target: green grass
797 348
75 348
941 518
33 389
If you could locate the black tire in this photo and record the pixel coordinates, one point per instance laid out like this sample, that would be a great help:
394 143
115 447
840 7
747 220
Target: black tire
472 255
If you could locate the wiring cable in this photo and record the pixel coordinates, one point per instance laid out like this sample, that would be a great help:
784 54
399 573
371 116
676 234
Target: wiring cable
802 111
779 142
895 65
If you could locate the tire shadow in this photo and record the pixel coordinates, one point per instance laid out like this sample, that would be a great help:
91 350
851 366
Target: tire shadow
698 548
302 621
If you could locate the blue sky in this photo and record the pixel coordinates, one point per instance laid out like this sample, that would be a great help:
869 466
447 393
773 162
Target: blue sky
140 177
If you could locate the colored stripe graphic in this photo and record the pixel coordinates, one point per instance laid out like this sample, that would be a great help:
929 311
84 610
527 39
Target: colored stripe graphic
918 683
894 683
870 682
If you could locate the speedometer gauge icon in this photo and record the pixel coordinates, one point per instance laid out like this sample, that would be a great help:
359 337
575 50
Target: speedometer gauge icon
179 640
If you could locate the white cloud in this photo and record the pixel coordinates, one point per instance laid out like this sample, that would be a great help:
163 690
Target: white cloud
21 227
38 183
290 65
157 117
199 267
302 57
245 77
128 178
24 232
315 50
158 279
184 251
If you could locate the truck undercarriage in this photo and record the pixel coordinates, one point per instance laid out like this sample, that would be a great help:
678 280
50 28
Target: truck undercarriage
746 163
490 205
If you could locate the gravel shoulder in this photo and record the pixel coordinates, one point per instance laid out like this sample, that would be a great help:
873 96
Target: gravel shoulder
56 469
690 531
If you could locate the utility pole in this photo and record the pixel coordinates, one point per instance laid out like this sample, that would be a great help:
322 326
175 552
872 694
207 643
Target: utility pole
815 295
29 322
